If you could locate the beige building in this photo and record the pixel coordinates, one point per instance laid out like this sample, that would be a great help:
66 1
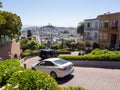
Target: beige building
10 49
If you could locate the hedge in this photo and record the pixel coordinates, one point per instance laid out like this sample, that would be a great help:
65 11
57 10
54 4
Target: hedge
73 88
96 54
14 77
31 80
29 53
7 68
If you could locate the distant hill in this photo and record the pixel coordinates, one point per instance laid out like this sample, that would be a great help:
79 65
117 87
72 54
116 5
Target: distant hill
49 31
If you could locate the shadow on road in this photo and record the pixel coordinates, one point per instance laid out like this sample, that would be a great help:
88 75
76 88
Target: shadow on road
65 79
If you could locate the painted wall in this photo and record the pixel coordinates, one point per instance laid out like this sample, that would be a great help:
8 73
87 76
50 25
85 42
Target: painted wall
10 49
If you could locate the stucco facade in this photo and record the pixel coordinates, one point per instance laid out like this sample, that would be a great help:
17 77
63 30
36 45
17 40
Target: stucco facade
10 50
91 31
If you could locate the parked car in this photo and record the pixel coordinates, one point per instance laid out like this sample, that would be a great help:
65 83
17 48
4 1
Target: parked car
56 67
47 53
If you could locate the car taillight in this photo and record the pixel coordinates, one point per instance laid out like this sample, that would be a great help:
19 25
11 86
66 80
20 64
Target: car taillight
63 69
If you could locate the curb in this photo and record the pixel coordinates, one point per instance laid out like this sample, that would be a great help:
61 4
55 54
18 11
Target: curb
97 64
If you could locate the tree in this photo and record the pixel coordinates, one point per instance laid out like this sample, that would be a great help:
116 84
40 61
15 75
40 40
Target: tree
10 24
24 44
29 34
57 46
80 28
29 44
33 45
80 45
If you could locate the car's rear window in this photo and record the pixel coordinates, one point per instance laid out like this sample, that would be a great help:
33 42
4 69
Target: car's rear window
52 52
60 61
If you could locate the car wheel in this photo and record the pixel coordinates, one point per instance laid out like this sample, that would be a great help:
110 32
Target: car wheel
53 74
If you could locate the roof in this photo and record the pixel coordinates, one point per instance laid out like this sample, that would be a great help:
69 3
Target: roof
51 59
108 14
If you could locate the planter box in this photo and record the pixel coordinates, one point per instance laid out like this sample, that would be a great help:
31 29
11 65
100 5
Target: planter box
97 64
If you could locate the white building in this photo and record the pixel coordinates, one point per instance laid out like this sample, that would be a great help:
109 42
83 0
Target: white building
91 32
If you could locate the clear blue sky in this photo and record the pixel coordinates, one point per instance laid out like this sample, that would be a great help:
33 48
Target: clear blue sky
59 12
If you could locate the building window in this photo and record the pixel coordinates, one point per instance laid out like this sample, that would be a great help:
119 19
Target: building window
88 25
105 36
101 36
106 24
95 35
101 24
96 24
115 24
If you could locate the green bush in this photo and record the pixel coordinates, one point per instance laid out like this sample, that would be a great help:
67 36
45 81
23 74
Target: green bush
29 44
63 51
27 79
28 53
23 44
73 88
96 54
7 68
33 45
56 46
42 46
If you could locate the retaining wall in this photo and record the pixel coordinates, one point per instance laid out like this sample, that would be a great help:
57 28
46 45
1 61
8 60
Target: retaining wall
97 64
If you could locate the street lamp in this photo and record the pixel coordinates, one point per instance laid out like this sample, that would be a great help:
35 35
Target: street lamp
1 4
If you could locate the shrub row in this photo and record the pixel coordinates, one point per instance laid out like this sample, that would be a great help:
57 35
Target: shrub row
96 54
63 52
73 88
14 77
30 53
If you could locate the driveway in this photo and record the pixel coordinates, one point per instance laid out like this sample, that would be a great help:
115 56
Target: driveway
88 78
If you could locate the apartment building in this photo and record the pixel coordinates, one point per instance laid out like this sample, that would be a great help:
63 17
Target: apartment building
91 32
109 31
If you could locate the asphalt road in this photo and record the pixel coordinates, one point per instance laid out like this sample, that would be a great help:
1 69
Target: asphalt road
88 78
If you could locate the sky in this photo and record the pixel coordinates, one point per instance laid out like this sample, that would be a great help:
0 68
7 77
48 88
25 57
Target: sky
67 13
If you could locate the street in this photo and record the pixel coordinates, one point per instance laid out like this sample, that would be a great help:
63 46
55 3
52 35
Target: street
88 78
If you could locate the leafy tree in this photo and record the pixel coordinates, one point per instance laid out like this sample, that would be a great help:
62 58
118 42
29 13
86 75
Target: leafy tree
10 24
80 45
32 45
56 46
2 20
42 46
80 28
29 34
23 44
29 44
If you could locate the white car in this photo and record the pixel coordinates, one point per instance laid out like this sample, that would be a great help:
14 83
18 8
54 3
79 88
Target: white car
56 67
